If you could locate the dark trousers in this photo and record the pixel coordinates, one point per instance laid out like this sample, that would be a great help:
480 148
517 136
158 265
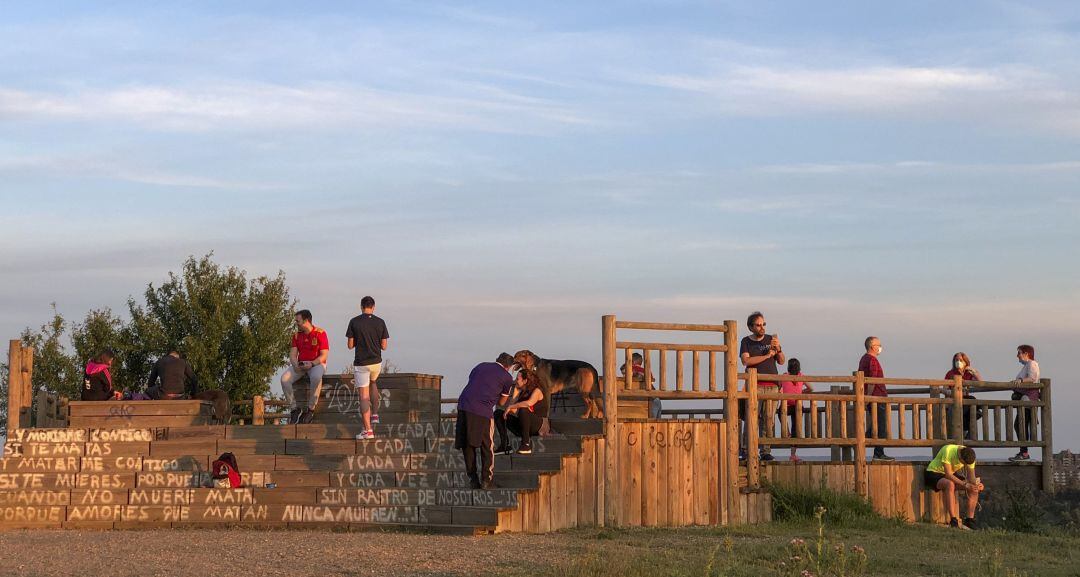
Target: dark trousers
764 420
1029 416
794 413
474 433
882 418
522 423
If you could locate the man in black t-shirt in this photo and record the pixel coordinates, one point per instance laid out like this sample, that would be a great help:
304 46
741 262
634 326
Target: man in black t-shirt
762 352
368 336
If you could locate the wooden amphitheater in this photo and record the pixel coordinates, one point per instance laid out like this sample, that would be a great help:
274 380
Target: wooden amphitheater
143 464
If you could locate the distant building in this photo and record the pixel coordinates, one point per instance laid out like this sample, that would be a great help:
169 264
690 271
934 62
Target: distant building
1066 469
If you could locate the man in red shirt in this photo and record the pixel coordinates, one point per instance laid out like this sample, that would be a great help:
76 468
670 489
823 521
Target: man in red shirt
871 368
310 347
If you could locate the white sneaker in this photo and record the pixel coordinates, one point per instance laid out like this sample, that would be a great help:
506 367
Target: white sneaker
365 436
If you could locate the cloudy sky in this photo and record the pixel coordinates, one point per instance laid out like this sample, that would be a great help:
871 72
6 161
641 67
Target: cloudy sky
499 176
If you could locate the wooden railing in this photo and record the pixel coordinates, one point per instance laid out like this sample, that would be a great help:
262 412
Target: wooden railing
261 410
918 412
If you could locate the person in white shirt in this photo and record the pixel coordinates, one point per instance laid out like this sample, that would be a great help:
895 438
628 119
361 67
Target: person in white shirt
1029 373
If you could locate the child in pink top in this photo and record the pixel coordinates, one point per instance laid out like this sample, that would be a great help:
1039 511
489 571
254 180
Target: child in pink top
792 408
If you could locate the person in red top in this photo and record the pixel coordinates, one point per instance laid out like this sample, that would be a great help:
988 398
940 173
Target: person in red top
310 347
871 369
961 366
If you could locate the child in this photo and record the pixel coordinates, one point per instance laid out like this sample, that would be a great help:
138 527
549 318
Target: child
792 407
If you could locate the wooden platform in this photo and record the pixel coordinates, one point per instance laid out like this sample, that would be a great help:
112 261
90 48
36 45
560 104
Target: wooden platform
138 414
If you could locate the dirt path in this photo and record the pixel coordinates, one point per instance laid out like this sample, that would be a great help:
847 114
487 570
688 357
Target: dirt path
259 553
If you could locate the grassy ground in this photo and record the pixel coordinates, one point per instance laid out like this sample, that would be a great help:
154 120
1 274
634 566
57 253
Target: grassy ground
892 549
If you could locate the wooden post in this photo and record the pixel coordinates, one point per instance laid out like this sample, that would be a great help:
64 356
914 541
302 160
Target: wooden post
258 410
753 471
1047 438
25 413
862 482
611 422
42 418
957 424
15 388
731 416
835 454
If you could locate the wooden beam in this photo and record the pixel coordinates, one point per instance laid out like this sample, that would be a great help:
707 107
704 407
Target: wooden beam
861 481
671 326
15 388
731 408
669 346
1047 439
611 421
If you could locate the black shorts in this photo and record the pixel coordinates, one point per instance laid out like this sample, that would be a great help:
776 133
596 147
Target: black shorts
472 430
931 478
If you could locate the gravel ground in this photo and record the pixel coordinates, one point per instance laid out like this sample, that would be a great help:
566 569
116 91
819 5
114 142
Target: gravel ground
292 553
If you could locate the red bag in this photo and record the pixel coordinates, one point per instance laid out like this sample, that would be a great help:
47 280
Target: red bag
225 473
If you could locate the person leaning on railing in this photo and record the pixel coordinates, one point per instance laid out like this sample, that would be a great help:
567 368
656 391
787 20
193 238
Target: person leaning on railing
961 366
954 468
871 369
762 352
1029 373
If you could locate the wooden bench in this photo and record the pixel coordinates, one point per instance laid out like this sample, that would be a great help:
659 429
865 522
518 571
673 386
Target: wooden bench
138 414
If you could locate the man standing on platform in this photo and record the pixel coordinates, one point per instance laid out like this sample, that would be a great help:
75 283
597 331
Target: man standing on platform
310 348
368 336
871 369
489 384
762 352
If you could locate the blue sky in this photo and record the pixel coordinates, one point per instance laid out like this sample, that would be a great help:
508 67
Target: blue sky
499 175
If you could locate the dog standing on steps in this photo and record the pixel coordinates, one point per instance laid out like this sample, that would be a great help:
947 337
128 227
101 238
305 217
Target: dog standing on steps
558 375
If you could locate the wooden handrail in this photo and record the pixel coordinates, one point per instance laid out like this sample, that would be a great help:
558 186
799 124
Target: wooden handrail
670 347
670 326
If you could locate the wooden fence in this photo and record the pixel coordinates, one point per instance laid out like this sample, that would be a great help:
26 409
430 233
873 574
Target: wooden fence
918 412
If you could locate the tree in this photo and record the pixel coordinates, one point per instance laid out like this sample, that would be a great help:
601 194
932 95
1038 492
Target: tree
54 369
235 332
100 330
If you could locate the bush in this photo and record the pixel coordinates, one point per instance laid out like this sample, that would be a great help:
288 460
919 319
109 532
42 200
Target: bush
790 503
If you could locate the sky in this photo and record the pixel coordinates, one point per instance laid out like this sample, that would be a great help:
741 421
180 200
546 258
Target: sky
499 175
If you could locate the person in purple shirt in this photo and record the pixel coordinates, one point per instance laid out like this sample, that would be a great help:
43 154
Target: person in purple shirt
490 384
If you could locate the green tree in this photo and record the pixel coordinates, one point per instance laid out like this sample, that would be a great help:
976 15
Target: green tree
55 370
234 331
100 330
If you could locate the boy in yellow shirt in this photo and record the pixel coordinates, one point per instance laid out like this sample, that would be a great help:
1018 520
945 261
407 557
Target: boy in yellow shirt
950 471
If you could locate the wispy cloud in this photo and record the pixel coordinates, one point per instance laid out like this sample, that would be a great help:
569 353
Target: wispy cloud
123 170
260 106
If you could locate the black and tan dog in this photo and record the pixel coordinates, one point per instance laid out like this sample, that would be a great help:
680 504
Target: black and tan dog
558 375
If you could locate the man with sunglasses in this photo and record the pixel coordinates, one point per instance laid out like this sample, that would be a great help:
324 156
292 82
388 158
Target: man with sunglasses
762 352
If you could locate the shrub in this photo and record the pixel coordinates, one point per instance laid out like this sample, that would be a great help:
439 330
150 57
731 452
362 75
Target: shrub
791 503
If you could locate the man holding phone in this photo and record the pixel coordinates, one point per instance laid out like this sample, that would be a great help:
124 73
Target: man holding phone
310 348
760 351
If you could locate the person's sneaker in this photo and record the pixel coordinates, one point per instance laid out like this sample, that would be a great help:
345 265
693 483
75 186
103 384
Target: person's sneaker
883 457
487 485
374 419
766 456
294 416
307 416
742 455
504 450
474 483
525 449
366 435
956 524
970 523
1021 456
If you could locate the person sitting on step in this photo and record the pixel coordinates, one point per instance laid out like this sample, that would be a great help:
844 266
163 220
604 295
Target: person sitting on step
644 380
97 380
171 378
527 416
951 470
307 356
